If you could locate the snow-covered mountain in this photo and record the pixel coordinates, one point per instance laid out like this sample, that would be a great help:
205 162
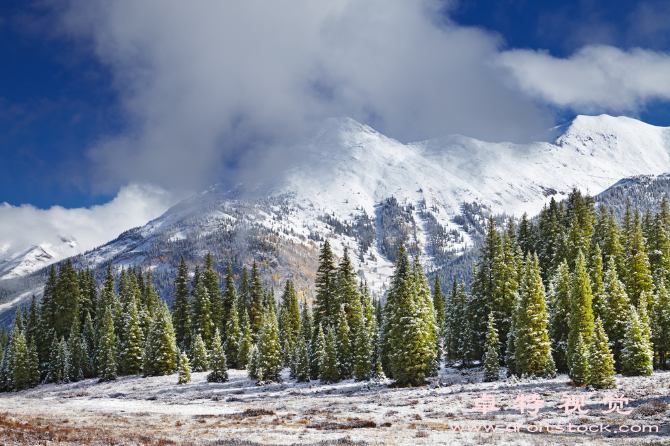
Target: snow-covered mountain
361 189
23 260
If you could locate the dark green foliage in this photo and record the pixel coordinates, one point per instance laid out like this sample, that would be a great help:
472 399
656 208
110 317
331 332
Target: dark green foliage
343 345
201 315
160 351
210 280
199 355
256 297
601 361
316 352
491 366
302 362
269 351
231 346
132 353
184 369
559 303
581 313
637 354
218 360
326 305
106 354
180 307
229 301
328 364
246 343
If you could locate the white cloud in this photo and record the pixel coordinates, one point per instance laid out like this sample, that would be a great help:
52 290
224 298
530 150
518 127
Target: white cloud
25 225
595 79
205 83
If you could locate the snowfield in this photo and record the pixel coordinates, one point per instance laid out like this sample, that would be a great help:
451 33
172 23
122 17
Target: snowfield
135 410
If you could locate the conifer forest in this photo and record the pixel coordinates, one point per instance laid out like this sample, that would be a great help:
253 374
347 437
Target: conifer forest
572 291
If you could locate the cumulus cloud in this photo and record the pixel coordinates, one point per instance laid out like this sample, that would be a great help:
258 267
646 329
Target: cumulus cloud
24 226
595 79
209 86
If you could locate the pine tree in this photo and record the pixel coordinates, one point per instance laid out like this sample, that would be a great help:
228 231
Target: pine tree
343 345
661 330
218 361
438 302
316 353
581 313
637 354
201 316
252 365
184 369
328 364
33 365
66 299
133 347
229 301
615 311
106 353
533 348
601 361
180 307
199 354
326 305
89 337
579 366
348 294
306 322
491 366
256 297
302 362
246 342
20 363
637 267
291 314
231 346
560 314
363 355
597 287
160 351
269 352
76 355
210 280
243 304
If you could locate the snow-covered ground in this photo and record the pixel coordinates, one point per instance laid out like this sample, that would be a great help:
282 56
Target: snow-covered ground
135 410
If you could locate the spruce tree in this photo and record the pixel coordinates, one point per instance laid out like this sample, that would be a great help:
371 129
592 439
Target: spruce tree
328 364
302 362
21 364
184 369
306 323
76 354
246 342
199 354
160 351
180 307
210 280
243 304
661 330
598 301
201 316
256 297
363 355
581 313
316 353
491 366
637 354
252 364
291 313
343 345
326 305
229 301
438 302
217 361
637 267
579 366
133 348
33 365
560 313
231 346
615 313
533 348
269 352
106 354
601 361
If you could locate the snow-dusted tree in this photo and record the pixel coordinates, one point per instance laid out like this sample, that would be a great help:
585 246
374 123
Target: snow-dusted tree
363 355
217 361
269 351
184 369
246 342
160 352
316 352
329 366
560 312
615 312
20 363
180 307
579 367
601 361
199 355
637 354
597 286
533 348
229 301
252 365
210 279
231 346
581 313
343 345
201 315
133 348
638 268
302 361
491 357
290 311
106 353
256 297
661 320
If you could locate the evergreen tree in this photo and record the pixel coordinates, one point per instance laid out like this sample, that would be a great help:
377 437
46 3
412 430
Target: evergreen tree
637 354
560 314
243 304
661 339
133 347
66 299
316 353
201 315
89 339
33 365
637 266
199 354
20 363
245 343
302 362
491 366
210 280
106 353
229 301
579 367
363 355
160 351
76 355
328 364
256 297
184 369
581 313
343 345
180 307
231 346
218 360
269 352
438 302
533 349
306 323
597 286
291 313
252 365
326 305
615 311
601 361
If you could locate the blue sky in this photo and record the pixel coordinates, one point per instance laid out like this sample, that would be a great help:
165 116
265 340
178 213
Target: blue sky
97 96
